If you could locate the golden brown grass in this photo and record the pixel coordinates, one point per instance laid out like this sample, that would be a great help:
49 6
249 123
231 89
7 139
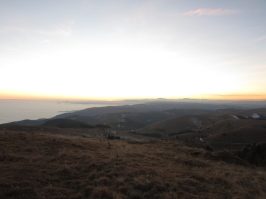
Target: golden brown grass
48 166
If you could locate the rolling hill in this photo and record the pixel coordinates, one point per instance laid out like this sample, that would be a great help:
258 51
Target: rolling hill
237 131
227 129
178 125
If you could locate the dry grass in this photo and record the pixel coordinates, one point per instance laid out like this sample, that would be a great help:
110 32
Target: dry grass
47 166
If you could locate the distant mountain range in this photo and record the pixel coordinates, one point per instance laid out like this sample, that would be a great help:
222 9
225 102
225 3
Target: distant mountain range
132 117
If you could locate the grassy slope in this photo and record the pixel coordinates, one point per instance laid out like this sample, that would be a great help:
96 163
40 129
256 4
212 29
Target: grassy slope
48 166
178 124
244 131
228 134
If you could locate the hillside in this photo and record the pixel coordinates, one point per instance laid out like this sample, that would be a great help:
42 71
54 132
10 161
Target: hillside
49 166
148 107
228 129
131 120
66 123
122 121
242 131
177 125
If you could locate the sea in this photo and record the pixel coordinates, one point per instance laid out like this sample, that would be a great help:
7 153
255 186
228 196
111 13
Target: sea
17 110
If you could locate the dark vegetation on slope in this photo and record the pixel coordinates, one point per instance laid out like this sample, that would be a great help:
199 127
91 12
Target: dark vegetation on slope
66 123
255 154
60 123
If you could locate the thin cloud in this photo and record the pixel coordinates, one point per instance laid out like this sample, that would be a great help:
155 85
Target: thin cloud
45 41
60 32
11 49
64 29
212 12
260 39
7 29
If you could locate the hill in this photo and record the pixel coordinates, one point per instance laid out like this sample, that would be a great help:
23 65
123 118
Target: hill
121 121
220 130
241 131
147 107
66 123
178 125
35 165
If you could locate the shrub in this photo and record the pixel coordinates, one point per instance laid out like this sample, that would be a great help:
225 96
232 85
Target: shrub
208 148
113 137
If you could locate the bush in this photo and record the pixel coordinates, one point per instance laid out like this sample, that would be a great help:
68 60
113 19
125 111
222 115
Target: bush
113 137
208 148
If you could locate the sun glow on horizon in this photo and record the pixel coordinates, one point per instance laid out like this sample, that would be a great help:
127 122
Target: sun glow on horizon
120 73
230 96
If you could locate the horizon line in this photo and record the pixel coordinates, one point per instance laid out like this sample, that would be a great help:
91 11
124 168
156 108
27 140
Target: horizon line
207 96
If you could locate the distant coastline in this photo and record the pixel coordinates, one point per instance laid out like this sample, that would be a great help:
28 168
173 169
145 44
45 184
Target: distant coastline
16 110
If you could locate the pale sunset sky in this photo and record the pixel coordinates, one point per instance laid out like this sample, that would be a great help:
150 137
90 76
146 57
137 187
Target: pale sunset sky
128 49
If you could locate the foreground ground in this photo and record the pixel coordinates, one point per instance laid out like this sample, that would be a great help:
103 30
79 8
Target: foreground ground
57 166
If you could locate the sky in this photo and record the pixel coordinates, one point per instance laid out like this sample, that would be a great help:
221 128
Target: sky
125 49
